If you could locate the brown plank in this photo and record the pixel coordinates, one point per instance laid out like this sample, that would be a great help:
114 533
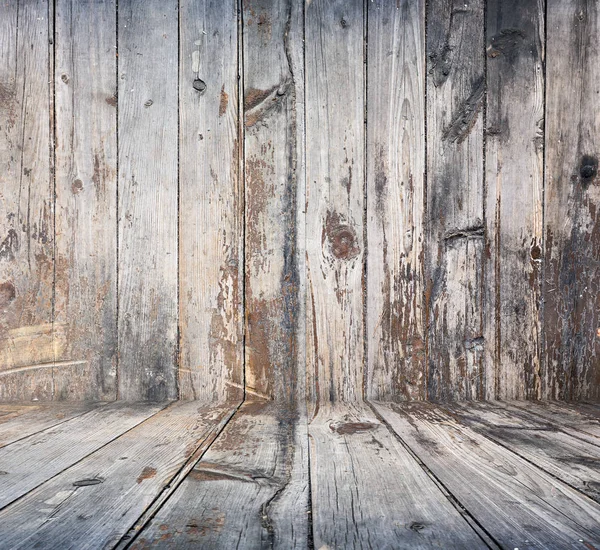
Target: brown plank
455 239
519 505
86 191
210 202
514 197
395 199
334 44
26 195
148 153
572 198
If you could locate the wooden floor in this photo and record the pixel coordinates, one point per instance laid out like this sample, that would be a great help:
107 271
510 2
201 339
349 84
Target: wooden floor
380 475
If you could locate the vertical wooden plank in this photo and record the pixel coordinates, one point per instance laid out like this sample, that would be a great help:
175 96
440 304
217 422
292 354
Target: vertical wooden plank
26 195
334 49
271 83
395 199
455 97
211 216
147 256
514 193
572 201
86 190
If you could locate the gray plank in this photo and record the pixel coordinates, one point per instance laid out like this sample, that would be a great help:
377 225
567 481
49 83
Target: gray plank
250 490
455 239
519 505
369 492
210 203
26 201
572 197
32 461
147 255
514 197
86 191
395 200
127 475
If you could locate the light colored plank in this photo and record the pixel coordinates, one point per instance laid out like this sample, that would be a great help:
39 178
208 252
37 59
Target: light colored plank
250 490
519 505
127 475
211 206
272 80
86 191
369 492
147 256
395 199
572 201
26 193
568 458
334 49
514 197
455 240
30 462
20 421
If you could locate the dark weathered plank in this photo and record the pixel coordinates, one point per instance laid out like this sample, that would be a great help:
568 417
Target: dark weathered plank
369 492
250 490
514 196
572 200
395 199
123 478
455 239
334 49
86 191
30 462
271 82
147 255
210 205
26 199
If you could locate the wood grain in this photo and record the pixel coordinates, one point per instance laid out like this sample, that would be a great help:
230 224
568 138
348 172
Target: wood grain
455 236
210 203
395 200
148 154
572 198
86 191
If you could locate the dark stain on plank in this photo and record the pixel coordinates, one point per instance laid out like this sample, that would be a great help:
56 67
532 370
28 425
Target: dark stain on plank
588 169
7 293
88 481
223 101
350 428
10 245
465 116
147 473
507 42
340 236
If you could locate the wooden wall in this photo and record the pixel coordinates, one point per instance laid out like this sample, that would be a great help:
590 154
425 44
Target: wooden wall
395 200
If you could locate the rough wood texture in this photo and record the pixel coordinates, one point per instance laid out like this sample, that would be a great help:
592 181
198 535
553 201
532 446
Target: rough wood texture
271 79
519 505
250 490
514 197
572 200
455 239
334 39
92 504
395 199
148 155
210 205
26 195
86 192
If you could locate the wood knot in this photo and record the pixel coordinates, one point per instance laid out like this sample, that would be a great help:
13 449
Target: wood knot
77 187
199 85
588 169
343 23
341 237
536 252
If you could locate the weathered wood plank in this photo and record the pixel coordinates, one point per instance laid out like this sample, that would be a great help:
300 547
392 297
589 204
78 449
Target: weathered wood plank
250 490
519 505
514 197
210 205
369 492
30 462
455 238
86 191
123 478
26 192
272 34
395 199
572 200
147 255
334 49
